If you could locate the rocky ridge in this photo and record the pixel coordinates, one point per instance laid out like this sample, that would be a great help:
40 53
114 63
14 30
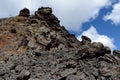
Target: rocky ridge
37 47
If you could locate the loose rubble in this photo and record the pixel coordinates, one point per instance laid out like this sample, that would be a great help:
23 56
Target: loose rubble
37 47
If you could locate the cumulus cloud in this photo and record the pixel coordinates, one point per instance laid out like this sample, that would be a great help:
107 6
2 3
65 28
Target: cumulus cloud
72 13
114 16
96 37
10 8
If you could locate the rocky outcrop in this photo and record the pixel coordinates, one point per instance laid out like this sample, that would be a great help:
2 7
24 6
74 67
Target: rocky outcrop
24 12
45 13
37 47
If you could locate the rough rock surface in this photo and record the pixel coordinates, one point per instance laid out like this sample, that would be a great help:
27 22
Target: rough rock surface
37 47
24 12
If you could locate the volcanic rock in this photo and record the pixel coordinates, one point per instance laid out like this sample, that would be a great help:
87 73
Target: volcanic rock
37 47
24 12
45 10
116 53
85 40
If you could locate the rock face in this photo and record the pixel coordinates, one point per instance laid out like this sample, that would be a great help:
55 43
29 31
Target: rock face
37 47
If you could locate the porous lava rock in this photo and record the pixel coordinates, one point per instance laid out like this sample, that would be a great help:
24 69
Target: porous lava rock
37 47
24 12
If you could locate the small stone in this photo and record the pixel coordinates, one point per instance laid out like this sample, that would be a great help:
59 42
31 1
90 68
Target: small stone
68 72
61 46
13 30
31 44
24 75
72 77
19 68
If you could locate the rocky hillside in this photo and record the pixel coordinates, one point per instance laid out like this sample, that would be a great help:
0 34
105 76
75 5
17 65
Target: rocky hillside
37 47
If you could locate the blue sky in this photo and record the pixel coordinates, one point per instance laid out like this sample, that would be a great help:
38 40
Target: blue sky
107 27
97 19
103 27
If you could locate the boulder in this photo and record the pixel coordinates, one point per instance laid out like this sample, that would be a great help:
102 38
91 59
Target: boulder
44 10
85 40
24 12
97 45
107 50
45 13
116 53
94 50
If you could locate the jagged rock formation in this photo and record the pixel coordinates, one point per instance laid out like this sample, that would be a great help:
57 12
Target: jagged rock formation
24 12
37 47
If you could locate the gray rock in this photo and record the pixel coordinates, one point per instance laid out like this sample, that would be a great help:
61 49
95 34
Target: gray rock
45 10
36 47
85 40
4 68
68 72
11 65
24 75
116 53
72 77
95 50
1 78
107 50
19 68
98 45
61 47
33 79
32 44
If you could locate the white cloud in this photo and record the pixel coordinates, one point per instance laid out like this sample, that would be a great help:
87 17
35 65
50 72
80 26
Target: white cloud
72 13
96 37
11 7
114 16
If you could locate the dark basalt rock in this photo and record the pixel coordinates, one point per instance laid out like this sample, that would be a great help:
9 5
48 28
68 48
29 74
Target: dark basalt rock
24 12
37 47
85 40
44 10
45 13
116 53
91 50
107 49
